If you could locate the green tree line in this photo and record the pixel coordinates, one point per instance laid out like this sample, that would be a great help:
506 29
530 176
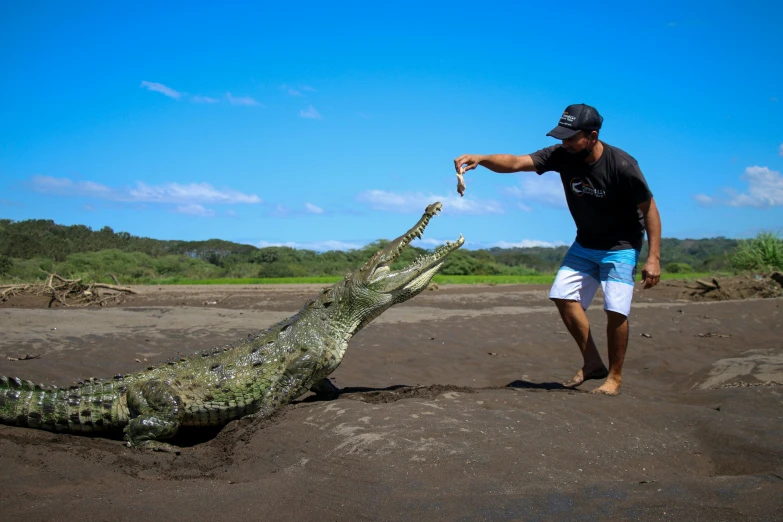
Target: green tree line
30 248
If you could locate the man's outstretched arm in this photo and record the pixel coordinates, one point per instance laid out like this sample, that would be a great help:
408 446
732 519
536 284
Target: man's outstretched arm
501 163
651 273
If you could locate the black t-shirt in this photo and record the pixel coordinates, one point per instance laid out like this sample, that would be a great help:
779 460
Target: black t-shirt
603 197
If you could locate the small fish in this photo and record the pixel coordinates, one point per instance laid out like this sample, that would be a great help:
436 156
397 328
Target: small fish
461 182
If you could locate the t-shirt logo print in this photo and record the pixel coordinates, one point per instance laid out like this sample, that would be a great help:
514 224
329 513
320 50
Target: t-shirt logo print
581 187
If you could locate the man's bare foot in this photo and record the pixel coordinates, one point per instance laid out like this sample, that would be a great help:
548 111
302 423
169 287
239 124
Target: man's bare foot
586 375
610 387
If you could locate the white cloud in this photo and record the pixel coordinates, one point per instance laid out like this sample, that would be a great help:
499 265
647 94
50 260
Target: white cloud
291 91
283 211
192 192
297 91
48 183
703 200
310 113
175 193
68 187
242 100
528 243
280 210
318 246
765 189
194 210
313 209
545 190
203 99
159 87
429 241
264 244
322 246
417 202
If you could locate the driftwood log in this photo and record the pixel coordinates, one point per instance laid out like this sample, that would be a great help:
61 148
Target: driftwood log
68 292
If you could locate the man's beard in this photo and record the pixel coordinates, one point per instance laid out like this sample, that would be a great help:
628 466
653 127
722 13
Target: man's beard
582 154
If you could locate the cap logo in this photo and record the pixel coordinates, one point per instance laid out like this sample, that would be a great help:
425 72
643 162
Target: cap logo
567 120
574 118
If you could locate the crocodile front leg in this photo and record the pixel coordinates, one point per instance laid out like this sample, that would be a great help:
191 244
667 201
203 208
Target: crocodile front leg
325 388
154 408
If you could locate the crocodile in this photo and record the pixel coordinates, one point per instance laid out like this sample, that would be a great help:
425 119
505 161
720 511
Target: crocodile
259 375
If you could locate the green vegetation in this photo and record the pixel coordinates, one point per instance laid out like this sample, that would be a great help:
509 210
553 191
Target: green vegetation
678 268
29 249
539 279
762 253
328 280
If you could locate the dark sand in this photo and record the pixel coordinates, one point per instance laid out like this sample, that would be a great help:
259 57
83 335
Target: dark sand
450 410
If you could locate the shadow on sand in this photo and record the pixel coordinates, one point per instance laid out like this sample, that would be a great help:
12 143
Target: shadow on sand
546 386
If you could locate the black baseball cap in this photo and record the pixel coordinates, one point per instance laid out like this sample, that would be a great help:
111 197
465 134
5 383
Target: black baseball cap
578 117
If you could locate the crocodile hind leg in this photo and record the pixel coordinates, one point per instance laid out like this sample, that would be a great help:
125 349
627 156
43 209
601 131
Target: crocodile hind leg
154 410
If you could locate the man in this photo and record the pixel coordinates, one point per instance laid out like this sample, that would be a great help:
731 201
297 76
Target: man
612 207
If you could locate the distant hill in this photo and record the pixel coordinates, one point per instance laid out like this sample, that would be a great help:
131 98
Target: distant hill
44 238
27 247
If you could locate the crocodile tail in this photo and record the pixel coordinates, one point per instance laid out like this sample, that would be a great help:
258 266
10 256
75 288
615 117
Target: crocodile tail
92 407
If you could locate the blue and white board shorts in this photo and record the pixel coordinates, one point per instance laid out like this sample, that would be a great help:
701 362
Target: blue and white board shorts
584 269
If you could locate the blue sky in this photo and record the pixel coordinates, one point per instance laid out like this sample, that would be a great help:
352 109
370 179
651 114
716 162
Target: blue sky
332 124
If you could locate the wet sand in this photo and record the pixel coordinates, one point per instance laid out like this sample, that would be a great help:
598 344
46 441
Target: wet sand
450 410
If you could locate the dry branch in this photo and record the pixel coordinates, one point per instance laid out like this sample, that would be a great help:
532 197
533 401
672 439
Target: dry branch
68 292
7 291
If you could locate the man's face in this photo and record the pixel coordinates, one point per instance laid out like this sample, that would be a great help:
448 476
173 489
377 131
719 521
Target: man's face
578 142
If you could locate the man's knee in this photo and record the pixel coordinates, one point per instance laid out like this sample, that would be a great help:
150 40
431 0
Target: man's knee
563 303
567 307
615 318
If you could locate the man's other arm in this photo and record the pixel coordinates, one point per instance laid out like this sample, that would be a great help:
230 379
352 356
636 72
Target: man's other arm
651 273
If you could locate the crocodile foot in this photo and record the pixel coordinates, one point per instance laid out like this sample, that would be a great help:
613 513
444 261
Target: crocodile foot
156 445
325 388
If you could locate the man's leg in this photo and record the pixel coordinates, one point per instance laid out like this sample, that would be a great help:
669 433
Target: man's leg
618 271
617 337
578 325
